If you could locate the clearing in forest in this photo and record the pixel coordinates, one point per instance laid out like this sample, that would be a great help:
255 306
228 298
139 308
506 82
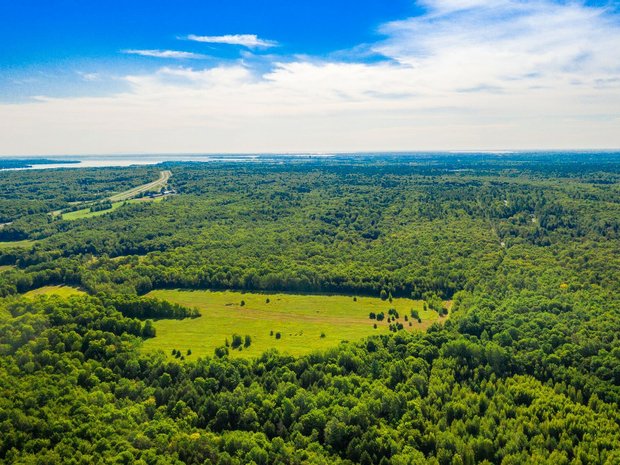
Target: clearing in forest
305 322
61 291
11 244
87 213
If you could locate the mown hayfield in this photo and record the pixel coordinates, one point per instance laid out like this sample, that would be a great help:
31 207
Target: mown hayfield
11 244
86 213
62 291
300 319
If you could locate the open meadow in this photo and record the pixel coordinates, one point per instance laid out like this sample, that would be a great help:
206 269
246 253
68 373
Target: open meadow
305 322
61 291
88 213
12 244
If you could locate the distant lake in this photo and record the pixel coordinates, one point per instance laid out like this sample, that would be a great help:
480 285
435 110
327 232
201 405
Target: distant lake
97 161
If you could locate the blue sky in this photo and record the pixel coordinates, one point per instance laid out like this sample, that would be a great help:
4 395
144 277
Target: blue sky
66 39
244 76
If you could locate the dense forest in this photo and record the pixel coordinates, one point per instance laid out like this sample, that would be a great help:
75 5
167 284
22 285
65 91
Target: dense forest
33 194
525 371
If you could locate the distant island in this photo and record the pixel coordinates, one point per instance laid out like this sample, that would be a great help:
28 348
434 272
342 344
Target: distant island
28 163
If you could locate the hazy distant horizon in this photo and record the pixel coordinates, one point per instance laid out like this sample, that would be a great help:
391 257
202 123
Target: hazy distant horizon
137 155
127 160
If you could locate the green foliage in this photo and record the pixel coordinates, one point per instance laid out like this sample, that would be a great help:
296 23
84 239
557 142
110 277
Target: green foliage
28 193
525 371
237 340
101 206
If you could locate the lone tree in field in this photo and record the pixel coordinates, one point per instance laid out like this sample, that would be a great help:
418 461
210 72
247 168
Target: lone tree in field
221 351
248 341
393 313
236 341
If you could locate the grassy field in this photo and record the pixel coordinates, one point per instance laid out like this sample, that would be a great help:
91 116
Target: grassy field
62 291
4 268
11 244
86 213
300 319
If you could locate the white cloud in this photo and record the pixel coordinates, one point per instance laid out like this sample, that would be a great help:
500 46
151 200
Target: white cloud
89 77
246 40
164 54
465 75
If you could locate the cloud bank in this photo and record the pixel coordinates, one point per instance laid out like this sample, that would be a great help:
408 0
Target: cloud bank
164 54
245 40
465 75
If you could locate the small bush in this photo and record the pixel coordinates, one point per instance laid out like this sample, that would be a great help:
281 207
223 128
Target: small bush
236 341
221 352
278 335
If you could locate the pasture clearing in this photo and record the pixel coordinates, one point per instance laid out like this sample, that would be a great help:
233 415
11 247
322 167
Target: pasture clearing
86 213
11 244
61 291
306 322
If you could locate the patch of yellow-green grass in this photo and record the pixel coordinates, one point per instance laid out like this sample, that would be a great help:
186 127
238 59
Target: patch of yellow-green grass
4 268
300 319
11 244
86 213
61 291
